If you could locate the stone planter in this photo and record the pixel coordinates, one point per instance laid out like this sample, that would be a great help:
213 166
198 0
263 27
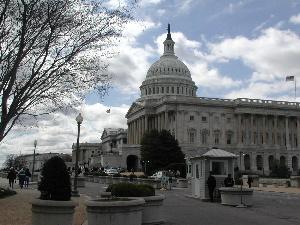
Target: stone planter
80 181
114 212
182 183
232 196
49 212
102 180
152 212
295 181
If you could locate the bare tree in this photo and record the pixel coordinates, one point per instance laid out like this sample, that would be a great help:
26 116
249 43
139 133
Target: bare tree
52 52
14 161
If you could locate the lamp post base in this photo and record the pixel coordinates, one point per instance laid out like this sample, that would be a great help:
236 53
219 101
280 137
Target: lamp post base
241 206
75 193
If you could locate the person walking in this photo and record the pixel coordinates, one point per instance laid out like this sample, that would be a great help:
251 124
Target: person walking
250 180
211 183
11 176
21 176
27 176
228 182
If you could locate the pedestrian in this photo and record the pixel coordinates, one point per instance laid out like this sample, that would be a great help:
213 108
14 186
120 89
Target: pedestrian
11 176
250 180
211 183
21 176
228 182
27 176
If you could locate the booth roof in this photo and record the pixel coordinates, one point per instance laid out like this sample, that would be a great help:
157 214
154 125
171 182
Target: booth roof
216 153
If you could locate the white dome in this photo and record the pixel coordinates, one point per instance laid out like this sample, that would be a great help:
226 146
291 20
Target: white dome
168 66
168 75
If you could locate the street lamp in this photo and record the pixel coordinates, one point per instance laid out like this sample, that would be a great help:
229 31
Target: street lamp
145 165
34 143
79 120
241 205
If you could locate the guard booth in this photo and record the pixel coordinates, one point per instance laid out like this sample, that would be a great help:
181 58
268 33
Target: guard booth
220 162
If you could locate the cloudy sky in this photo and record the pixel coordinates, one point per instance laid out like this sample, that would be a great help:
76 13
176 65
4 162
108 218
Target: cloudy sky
237 48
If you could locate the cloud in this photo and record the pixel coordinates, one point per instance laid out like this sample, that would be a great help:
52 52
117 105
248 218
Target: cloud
58 131
295 19
271 56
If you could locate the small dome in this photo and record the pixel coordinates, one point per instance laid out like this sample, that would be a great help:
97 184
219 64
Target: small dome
169 65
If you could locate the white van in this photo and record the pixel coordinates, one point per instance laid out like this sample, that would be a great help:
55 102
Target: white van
159 174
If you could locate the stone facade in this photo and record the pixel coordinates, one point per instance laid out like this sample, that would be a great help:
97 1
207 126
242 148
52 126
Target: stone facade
260 131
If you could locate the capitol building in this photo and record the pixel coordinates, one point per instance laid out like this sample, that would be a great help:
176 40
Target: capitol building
260 131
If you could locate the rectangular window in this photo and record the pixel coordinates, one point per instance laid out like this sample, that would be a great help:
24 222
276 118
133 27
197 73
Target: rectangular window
203 119
190 168
218 168
197 171
172 90
192 137
177 90
191 118
162 89
167 89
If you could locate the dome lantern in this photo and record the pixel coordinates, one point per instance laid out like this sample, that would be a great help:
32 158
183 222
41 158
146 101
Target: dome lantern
169 44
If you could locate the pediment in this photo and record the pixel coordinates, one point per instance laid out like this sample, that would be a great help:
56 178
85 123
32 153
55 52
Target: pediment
136 106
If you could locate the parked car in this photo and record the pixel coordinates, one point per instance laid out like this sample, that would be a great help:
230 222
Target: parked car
159 174
111 171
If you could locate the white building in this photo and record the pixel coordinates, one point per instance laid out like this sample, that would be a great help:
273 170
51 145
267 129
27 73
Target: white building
263 130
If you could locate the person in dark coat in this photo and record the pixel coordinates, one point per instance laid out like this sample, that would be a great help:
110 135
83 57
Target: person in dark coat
11 176
27 176
228 182
211 183
21 177
250 180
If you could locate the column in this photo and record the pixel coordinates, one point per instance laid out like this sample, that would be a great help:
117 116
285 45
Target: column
253 162
276 129
166 120
264 129
298 133
211 132
287 133
238 128
158 122
146 123
251 130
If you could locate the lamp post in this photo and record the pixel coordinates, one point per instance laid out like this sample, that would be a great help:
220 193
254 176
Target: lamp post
34 143
241 205
145 165
79 120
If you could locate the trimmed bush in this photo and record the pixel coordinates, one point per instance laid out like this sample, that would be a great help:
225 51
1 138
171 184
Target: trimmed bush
117 175
100 174
55 180
131 190
6 192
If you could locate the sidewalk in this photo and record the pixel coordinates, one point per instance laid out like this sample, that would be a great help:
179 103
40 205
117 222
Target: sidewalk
290 190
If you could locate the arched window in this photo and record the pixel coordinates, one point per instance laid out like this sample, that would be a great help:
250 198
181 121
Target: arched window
271 161
192 135
259 162
217 137
204 135
282 161
247 162
295 163
229 135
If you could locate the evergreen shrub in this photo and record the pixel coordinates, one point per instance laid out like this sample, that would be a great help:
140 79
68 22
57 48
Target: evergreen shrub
130 190
55 180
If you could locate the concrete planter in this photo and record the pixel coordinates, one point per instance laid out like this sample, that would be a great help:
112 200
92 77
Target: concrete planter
232 196
182 183
102 180
114 212
80 181
48 212
295 181
152 211
96 179
108 180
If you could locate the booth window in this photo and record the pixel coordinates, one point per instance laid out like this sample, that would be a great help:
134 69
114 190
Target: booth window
197 171
218 167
